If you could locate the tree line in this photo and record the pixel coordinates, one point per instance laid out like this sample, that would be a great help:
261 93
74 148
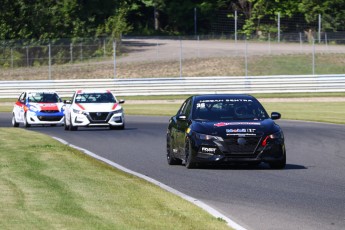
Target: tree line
44 20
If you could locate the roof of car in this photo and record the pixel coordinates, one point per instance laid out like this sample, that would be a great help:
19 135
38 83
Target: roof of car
93 91
40 91
223 96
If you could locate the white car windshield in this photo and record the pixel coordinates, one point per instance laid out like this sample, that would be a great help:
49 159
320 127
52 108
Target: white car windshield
95 98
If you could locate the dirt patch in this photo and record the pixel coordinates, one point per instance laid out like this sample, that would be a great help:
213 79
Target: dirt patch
161 58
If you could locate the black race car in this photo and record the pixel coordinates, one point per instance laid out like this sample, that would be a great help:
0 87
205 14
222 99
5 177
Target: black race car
225 129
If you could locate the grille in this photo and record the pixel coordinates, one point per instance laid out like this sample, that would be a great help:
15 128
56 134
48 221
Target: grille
99 116
49 118
50 111
247 147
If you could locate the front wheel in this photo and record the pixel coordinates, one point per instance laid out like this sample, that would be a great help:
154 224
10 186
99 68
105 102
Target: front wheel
278 164
121 127
26 124
188 156
170 156
71 127
66 127
14 122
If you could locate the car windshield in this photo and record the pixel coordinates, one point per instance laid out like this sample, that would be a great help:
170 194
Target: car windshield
228 109
44 97
95 98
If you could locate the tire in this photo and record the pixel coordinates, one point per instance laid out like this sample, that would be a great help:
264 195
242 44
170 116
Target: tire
122 127
170 156
14 122
66 127
26 124
71 127
188 156
278 164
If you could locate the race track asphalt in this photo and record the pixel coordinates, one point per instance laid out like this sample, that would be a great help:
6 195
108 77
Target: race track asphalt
308 194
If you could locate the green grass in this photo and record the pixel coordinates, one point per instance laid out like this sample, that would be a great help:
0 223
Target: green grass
151 109
331 112
47 185
296 64
257 95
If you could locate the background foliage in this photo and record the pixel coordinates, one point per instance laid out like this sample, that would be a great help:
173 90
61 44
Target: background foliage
45 20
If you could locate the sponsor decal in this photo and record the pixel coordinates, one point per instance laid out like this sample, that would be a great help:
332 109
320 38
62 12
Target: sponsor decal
222 124
240 130
208 150
225 100
200 105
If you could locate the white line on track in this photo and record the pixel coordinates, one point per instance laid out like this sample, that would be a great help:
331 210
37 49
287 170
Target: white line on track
195 201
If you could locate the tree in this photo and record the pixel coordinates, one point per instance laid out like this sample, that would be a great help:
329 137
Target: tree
332 12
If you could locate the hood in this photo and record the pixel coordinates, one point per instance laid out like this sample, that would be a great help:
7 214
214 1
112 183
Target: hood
236 128
97 107
45 106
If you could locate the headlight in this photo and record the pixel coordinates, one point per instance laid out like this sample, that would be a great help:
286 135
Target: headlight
274 136
118 111
77 111
277 135
34 109
207 137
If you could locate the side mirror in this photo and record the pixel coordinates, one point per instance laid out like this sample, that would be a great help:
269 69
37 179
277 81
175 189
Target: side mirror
181 117
67 102
121 101
275 115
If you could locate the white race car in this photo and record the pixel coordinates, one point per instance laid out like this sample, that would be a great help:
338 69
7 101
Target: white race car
38 108
97 108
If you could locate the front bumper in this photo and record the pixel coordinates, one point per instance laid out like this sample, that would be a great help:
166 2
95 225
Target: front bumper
98 119
222 152
41 118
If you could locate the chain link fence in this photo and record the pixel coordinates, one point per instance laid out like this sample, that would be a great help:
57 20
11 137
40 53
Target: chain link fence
193 56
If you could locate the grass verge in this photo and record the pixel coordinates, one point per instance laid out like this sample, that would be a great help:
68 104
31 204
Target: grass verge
47 185
331 112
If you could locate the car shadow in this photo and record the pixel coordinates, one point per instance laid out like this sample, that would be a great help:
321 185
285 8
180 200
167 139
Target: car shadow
261 166
82 129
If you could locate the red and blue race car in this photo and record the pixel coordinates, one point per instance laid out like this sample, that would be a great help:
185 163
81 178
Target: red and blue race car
38 108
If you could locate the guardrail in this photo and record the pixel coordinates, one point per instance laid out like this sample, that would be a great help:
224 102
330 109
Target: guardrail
183 86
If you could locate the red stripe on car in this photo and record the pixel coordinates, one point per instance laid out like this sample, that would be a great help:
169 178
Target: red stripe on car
48 107
80 106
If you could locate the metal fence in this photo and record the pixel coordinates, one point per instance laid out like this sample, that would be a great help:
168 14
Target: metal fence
184 86
195 56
